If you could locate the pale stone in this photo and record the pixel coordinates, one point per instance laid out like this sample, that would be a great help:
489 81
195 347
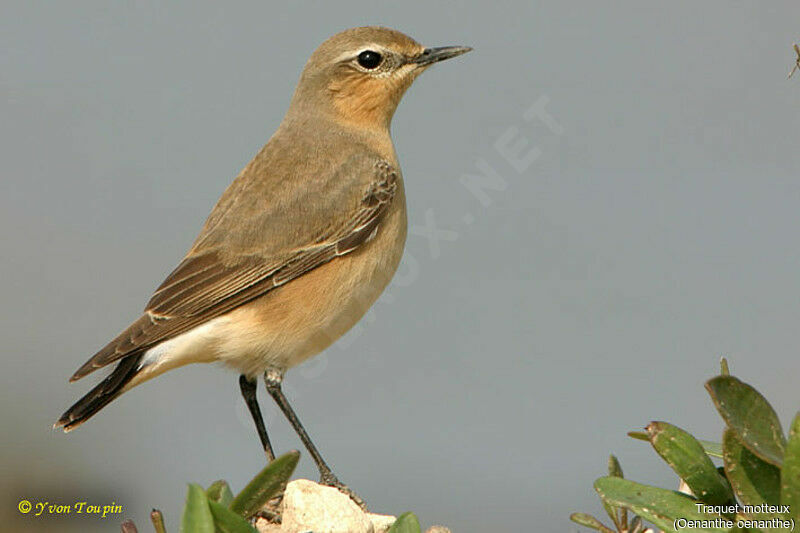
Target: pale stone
381 522
684 488
308 506
264 526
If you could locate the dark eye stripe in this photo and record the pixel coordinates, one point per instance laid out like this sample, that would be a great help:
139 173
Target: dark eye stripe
369 59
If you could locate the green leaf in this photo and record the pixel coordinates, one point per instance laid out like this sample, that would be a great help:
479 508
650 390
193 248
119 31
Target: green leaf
750 415
614 468
589 521
754 481
688 459
226 521
265 485
620 518
405 523
660 506
713 449
611 511
723 367
790 473
220 492
196 515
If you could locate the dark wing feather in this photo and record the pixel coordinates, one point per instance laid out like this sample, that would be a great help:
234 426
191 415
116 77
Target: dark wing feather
204 286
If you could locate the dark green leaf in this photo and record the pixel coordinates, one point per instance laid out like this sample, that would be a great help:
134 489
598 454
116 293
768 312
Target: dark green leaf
265 485
196 515
790 473
753 480
226 521
589 521
749 414
688 459
220 492
660 506
405 523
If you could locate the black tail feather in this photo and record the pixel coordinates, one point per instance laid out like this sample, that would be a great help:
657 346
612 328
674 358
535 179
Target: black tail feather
101 395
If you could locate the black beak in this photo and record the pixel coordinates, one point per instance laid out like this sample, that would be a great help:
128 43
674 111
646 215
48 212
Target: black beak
434 55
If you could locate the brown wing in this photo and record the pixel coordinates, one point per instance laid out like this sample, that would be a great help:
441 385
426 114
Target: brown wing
205 286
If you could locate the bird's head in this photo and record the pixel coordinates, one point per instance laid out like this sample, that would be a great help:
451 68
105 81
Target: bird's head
359 75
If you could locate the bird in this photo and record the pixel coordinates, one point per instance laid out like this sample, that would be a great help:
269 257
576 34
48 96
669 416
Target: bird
297 248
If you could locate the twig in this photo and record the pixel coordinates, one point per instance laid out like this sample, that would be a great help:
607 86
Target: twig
158 521
129 527
796 62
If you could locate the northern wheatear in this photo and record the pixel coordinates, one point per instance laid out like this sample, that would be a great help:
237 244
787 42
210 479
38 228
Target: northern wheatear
298 247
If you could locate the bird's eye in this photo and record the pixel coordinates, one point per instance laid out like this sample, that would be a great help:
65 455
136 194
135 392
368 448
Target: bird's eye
369 59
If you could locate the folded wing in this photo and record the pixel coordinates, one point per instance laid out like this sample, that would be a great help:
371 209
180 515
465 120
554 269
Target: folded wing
209 283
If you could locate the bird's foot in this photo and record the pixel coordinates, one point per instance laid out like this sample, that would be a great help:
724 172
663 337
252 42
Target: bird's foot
330 480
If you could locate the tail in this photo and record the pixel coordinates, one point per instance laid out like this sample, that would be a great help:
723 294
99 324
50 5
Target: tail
100 396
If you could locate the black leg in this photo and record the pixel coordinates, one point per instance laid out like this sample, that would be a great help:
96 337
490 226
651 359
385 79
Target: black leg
274 379
248 388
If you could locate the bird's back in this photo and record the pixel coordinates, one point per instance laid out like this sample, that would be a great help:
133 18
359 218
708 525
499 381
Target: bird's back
299 183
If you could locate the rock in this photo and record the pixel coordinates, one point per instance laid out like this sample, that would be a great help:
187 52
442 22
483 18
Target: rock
381 522
263 526
308 506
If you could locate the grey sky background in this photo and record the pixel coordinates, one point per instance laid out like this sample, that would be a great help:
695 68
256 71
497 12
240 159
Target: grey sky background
656 231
